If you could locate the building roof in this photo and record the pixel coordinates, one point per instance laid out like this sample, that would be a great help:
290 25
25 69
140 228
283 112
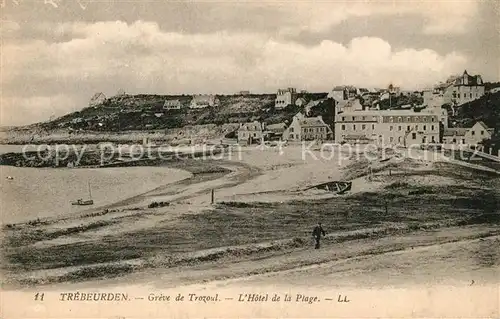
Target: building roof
172 102
483 125
312 121
458 131
251 126
276 127
203 98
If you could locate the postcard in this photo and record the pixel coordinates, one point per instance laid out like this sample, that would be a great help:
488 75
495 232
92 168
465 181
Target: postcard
250 159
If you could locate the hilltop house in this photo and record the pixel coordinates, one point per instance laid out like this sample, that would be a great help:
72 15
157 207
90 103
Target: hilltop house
307 129
285 97
97 99
249 133
343 93
456 90
172 105
204 100
468 136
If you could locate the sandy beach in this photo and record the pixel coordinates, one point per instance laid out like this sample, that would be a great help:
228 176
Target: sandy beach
257 232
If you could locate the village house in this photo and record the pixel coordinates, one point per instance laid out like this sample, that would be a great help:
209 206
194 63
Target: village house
343 93
307 129
387 127
97 99
172 105
204 100
300 102
468 136
285 97
275 131
456 90
250 133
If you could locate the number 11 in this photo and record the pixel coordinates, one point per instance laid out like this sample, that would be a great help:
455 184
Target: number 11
39 295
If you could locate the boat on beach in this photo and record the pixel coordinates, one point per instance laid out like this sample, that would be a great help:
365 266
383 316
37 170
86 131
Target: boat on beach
338 187
84 202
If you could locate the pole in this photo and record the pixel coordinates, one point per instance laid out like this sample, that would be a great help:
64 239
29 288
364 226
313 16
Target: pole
213 196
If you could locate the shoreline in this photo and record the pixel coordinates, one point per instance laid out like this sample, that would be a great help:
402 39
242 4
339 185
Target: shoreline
138 241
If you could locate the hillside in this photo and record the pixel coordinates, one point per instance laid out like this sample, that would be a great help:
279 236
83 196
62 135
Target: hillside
136 115
486 109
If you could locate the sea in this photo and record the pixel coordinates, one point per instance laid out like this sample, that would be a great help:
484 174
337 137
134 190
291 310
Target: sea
47 192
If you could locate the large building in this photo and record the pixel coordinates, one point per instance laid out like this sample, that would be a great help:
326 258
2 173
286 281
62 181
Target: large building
204 100
456 90
307 129
285 97
387 127
471 136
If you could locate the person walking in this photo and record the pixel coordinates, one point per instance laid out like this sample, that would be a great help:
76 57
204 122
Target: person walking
317 232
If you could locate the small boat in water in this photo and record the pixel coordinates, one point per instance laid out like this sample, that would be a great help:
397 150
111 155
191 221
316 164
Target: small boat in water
84 202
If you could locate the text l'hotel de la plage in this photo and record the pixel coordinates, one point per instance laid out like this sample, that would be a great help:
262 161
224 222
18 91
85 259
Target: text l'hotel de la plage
185 158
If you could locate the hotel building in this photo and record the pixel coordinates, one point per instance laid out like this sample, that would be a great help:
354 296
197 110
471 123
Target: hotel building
387 127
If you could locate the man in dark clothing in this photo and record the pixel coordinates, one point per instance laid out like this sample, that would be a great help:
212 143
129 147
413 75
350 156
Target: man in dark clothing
317 232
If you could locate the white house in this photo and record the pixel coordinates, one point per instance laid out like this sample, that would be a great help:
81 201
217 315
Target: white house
468 136
285 97
204 100
97 99
172 105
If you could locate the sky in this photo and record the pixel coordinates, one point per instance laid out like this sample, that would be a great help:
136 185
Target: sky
56 54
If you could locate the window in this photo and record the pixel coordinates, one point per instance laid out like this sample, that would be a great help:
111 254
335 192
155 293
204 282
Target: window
433 140
454 140
343 118
432 127
471 95
408 128
399 128
373 126
363 118
363 127
254 134
354 127
390 128
473 133
391 119
400 118
432 119
482 132
354 118
408 119
291 129
425 127
291 136
414 136
416 127
391 139
399 139
463 141
343 127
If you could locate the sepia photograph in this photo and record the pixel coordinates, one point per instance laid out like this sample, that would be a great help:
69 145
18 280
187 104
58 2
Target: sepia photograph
264 159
